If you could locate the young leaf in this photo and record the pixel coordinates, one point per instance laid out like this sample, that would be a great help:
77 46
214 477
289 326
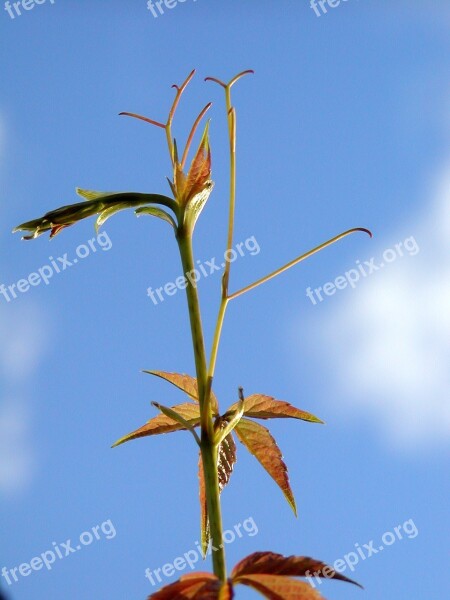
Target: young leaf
106 214
259 406
226 460
195 586
164 424
156 212
269 563
56 220
259 442
199 176
229 422
278 587
186 384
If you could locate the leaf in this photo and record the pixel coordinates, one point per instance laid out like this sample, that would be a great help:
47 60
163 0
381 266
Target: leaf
259 442
269 563
195 586
93 195
278 587
225 464
97 202
200 170
163 424
186 384
156 212
106 214
259 406
169 412
230 421
226 460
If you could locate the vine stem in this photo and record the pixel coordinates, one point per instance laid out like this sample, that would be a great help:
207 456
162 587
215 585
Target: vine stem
208 442
231 118
294 262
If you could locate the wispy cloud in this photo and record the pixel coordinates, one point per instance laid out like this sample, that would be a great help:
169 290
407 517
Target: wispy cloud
388 342
22 332
16 452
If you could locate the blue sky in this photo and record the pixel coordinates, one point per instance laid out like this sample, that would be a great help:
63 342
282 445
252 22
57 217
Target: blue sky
345 123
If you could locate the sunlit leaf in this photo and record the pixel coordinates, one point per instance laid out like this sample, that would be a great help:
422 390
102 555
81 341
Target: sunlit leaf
93 195
270 563
156 212
198 177
107 213
259 442
259 406
195 586
279 587
172 414
164 424
186 384
197 204
97 202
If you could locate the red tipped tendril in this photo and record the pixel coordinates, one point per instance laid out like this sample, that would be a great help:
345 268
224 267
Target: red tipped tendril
146 119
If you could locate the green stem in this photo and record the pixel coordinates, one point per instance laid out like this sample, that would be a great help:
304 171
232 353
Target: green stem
294 262
231 113
209 447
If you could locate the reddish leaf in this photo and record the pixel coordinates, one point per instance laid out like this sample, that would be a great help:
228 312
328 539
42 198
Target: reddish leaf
195 586
259 442
163 424
259 406
278 587
200 170
186 384
227 457
269 563
226 461
226 591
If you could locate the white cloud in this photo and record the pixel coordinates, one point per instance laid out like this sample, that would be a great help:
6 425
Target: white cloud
17 457
388 341
22 332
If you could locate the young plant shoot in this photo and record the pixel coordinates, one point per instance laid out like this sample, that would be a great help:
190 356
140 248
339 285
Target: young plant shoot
213 429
